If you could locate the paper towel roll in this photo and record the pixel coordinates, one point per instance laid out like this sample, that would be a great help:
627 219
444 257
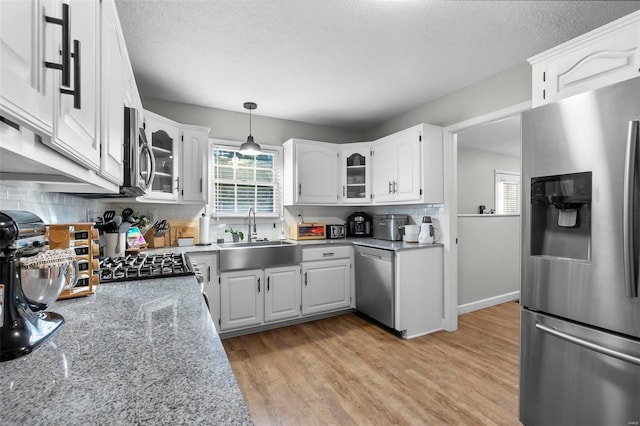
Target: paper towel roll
204 230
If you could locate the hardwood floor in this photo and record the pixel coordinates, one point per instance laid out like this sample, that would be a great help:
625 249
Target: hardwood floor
345 370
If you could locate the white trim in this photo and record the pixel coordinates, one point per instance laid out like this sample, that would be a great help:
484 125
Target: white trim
450 322
485 303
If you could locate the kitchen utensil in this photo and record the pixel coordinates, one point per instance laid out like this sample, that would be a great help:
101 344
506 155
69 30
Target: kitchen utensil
162 229
108 215
127 212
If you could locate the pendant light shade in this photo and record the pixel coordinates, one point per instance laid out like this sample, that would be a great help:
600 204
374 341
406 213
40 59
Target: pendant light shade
250 147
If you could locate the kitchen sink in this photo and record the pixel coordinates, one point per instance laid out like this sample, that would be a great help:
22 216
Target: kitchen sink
258 254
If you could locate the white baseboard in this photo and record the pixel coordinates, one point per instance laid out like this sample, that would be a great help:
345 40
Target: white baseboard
485 303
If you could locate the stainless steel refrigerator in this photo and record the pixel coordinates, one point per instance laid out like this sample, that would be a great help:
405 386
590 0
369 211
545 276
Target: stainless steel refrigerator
580 317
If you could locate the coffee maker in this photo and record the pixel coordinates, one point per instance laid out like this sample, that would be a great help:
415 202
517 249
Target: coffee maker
30 280
359 225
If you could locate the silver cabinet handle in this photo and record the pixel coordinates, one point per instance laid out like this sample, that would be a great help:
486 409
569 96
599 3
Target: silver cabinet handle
389 187
258 285
299 189
344 190
629 257
395 187
209 273
328 254
200 185
587 344
268 283
178 184
305 279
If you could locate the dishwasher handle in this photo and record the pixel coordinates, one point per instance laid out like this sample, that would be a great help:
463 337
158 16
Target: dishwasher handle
372 256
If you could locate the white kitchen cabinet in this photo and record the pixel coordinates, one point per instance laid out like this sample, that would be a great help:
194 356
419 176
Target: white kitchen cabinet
164 136
208 265
311 172
194 182
397 167
408 166
326 286
282 297
601 57
26 42
75 132
355 164
419 292
241 299
114 59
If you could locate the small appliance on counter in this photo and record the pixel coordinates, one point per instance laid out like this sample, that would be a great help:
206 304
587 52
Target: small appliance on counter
389 226
308 231
426 231
336 232
31 279
143 266
359 224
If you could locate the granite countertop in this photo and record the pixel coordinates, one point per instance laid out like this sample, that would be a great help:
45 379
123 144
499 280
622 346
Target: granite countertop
368 242
136 352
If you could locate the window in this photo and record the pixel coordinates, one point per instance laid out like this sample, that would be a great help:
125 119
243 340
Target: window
240 182
507 192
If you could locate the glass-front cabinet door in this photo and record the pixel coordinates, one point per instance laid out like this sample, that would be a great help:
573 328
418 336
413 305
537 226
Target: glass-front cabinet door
165 144
356 169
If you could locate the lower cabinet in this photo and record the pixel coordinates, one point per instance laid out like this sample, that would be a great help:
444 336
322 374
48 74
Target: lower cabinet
326 286
254 297
208 266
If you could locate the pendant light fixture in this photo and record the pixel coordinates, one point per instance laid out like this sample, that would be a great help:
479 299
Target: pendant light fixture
250 147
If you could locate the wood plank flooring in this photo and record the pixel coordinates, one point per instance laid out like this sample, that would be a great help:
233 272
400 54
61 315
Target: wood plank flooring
345 370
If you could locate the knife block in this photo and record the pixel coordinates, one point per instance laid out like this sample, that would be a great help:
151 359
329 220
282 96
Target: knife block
152 239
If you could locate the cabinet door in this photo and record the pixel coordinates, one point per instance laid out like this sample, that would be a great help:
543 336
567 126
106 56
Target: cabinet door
165 139
384 169
326 286
356 179
194 172
282 294
208 266
76 130
317 174
26 42
241 299
112 92
406 184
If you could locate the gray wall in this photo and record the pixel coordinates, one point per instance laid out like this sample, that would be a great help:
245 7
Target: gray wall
488 259
476 177
234 126
502 90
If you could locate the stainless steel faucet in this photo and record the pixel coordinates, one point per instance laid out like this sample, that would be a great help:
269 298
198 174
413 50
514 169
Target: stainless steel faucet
251 234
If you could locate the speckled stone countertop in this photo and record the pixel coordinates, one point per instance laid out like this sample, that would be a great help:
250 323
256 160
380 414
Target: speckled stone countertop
368 242
136 352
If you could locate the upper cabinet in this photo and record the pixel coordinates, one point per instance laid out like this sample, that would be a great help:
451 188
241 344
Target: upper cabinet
397 167
181 159
194 184
355 164
61 85
76 130
311 172
112 95
26 86
403 168
604 56
164 137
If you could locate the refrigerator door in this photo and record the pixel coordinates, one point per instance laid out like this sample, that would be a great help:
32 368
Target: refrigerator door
587 133
575 375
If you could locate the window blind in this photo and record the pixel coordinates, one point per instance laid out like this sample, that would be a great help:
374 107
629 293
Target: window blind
507 192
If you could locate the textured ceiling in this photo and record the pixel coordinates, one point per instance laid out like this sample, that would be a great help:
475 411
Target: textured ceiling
343 63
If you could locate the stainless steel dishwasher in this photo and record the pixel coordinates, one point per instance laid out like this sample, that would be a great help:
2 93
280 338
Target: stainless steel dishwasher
375 287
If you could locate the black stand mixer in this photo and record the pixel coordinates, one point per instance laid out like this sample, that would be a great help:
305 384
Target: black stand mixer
23 324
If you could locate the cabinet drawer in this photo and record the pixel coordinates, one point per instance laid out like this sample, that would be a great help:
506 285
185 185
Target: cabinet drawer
323 253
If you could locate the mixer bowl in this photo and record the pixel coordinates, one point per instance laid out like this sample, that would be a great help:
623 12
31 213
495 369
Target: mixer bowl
42 286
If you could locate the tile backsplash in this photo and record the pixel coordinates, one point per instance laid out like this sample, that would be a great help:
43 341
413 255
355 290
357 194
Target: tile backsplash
52 207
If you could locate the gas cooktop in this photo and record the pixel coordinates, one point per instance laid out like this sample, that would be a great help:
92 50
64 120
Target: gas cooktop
143 266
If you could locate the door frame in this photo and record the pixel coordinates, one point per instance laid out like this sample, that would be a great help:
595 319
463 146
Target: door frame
450 322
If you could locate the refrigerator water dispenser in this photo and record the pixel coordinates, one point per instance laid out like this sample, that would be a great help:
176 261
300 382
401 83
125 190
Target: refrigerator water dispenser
561 216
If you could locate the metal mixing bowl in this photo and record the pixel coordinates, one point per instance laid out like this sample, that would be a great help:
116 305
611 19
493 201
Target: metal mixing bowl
42 286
